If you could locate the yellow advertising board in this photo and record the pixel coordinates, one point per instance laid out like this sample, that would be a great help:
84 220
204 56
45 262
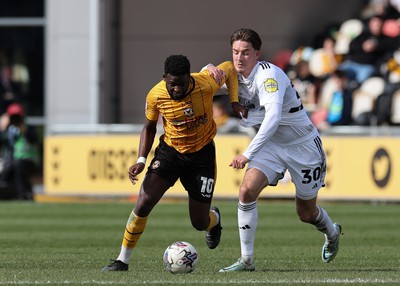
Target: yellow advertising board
358 168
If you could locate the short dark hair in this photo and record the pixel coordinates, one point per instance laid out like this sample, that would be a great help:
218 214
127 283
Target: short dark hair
339 74
247 35
177 65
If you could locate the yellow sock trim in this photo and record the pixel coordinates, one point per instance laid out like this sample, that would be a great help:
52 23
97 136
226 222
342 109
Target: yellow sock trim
213 220
134 229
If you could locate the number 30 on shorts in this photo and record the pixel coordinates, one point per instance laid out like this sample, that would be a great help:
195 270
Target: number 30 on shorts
311 175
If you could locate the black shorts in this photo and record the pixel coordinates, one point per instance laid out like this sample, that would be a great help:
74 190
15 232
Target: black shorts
196 171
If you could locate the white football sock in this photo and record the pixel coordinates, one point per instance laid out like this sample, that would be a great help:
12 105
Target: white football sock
217 215
325 225
247 221
125 254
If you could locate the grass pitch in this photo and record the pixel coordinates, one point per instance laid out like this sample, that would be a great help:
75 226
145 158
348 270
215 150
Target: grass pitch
68 244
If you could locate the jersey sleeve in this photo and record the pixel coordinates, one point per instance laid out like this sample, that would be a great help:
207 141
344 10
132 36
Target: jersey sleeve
271 86
231 80
151 109
267 129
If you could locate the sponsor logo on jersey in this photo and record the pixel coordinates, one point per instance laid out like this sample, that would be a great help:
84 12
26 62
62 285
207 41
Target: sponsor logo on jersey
271 85
196 121
192 122
206 195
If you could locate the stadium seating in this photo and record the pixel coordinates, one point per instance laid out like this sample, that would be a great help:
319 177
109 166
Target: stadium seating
348 30
395 118
364 98
374 86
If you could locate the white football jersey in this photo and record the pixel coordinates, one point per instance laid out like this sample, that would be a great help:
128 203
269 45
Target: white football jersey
268 83
269 86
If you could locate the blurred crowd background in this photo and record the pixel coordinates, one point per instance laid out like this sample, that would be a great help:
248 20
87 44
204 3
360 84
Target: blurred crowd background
71 66
350 75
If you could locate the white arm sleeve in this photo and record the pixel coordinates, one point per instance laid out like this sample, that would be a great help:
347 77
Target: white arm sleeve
268 128
205 67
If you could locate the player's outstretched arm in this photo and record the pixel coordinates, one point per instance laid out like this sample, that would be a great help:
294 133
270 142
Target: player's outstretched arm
146 142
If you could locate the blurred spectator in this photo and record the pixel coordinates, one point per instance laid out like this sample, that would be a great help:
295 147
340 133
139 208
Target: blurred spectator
306 85
390 68
348 30
10 91
388 9
338 112
374 8
21 152
390 71
324 61
383 105
366 50
300 54
226 123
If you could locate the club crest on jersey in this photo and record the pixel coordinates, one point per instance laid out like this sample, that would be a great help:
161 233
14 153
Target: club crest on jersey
271 85
188 112
155 165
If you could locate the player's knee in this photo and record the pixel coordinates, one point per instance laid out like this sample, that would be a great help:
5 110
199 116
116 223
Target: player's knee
247 195
306 217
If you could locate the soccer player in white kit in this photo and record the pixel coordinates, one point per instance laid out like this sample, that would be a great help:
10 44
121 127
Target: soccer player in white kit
286 140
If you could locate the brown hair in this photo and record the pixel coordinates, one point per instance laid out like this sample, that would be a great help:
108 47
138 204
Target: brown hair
247 35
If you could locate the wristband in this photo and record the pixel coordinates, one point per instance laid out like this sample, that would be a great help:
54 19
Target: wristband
141 160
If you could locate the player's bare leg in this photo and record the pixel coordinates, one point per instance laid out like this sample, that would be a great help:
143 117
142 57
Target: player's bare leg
309 212
205 217
151 191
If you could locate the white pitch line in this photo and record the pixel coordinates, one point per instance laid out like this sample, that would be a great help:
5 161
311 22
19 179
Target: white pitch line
210 282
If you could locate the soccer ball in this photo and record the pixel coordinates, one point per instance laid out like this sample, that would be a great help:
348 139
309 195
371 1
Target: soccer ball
181 257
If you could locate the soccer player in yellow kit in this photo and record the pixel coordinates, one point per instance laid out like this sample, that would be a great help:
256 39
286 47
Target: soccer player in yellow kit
186 150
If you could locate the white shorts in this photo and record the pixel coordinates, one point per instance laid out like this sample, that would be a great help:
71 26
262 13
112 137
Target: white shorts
305 161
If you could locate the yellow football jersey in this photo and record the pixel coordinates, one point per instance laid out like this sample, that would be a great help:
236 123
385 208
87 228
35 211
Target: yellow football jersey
188 123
